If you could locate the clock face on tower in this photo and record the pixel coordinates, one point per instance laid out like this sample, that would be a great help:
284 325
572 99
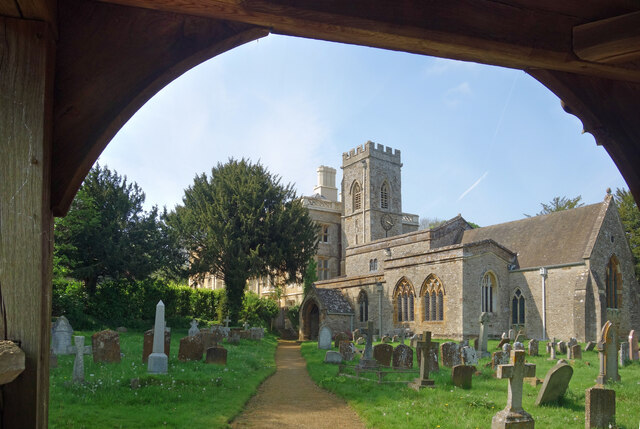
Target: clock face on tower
387 221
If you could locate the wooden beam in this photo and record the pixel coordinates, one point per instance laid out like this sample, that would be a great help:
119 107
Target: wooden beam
9 8
484 31
40 10
26 227
613 40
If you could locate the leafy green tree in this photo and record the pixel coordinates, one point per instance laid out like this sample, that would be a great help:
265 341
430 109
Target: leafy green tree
430 222
630 216
106 233
310 276
241 222
558 204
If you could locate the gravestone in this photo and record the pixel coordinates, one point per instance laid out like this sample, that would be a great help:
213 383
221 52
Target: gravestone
386 339
450 353
402 357
624 353
503 342
518 346
395 339
512 334
633 346
514 415
147 346
382 353
504 336
608 354
158 361
356 333
78 363
506 348
555 383
347 350
193 330
234 338
562 347
226 322
499 358
332 357
590 346
367 360
576 351
106 346
256 333
360 341
600 407
246 326
468 356
533 347
216 355
520 338
413 341
461 375
483 337
423 347
341 336
402 335
324 338
191 348
221 332
552 350
61 337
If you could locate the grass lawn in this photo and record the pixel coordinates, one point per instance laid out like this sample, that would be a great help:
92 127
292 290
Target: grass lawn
192 395
446 406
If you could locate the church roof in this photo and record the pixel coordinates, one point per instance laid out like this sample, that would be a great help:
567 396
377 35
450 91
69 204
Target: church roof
556 238
334 301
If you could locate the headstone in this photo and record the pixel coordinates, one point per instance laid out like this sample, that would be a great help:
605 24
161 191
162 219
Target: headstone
360 341
423 346
61 337
514 415
395 339
246 326
461 375
78 363
147 346
608 354
551 347
367 360
402 357
356 333
576 351
590 346
483 338
256 333
506 348
468 356
332 357
341 336
191 348
512 334
234 338
518 346
562 347
226 322
624 353
158 362
504 336
499 358
555 383
386 339
600 407
194 330
324 338
402 335
520 338
347 350
572 342
533 347
450 353
413 341
216 355
633 346
106 346
503 342
383 353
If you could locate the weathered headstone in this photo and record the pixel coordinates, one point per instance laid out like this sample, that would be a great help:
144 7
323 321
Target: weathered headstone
450 353
246 326
461 375
562 347
216 355
347 350
576 351
624 353
147 345
520 338
413 341
386 339
402 335
226 322
483 337
633 346
555 383
367 360
608 353
600 407
468 356
194 330
106 346
78 363
518 346
341 336
533 347
158 362
514 415
506 348
191 348
383 353
551 347
503 342
234 338
402 357
256 333
499 358
590 346
61 337
324 338
423 347
332 357
512 334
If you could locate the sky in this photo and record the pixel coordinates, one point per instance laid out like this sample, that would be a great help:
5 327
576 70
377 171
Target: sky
486 142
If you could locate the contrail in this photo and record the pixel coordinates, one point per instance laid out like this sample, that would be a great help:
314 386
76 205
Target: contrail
464 194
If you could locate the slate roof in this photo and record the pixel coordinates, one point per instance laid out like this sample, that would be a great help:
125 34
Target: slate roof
556 238
334 301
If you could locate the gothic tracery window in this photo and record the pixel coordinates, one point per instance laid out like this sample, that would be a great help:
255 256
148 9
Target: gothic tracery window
517 308
487 292
613 283
403 299
363 305
357 196
432 294
384 196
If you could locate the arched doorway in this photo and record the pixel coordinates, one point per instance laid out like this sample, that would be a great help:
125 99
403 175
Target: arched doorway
311 321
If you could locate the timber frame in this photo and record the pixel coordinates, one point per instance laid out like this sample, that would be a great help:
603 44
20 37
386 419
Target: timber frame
72 72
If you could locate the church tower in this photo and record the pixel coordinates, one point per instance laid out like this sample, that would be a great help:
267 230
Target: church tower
371 194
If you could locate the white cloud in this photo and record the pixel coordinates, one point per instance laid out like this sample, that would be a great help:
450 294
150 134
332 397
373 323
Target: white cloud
453 96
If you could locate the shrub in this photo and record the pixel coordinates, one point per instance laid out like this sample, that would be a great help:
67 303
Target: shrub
293 313
258 311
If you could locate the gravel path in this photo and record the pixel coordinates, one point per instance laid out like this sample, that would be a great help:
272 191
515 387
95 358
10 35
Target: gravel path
290 399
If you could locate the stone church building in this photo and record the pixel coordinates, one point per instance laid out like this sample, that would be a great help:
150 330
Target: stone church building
558 275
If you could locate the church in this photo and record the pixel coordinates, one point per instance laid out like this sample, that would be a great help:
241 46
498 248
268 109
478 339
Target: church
559 275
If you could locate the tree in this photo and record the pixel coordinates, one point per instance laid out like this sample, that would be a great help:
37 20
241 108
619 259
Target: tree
430 222
107 234
558 204
630 217
310 276
240 223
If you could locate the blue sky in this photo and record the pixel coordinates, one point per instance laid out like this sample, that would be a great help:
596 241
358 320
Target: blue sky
487 142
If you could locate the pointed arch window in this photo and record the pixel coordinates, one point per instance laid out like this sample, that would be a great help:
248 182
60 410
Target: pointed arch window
384 196
613 283
432 297
357 196
403 301
373 264
363 306
487 292
517 308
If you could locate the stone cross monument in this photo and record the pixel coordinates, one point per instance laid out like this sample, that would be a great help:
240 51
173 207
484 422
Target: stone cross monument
367 360
78 363
226 322
483 337
158 361
513 416
423 347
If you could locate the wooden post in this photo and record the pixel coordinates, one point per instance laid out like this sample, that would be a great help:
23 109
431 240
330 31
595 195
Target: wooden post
26 234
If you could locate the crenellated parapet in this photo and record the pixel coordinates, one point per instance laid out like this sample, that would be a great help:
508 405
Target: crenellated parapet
373 150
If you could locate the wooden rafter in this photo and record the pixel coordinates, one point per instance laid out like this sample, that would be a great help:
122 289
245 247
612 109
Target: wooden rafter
612 40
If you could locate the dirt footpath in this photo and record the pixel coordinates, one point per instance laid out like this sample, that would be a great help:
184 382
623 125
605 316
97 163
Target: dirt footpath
290 399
